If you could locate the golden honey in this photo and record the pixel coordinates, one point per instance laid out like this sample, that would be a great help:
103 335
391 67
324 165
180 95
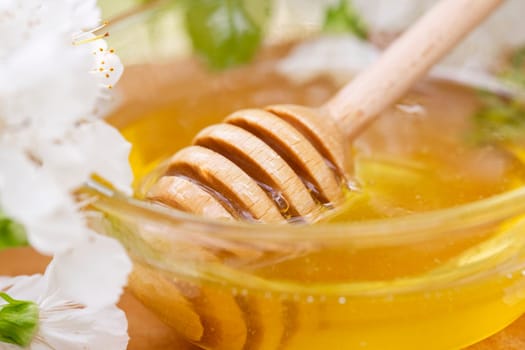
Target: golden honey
439 281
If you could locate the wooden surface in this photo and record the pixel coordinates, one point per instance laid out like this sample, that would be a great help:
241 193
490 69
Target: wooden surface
147 332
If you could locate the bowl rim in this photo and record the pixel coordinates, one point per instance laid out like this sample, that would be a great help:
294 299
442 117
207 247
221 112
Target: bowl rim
407 228
373 233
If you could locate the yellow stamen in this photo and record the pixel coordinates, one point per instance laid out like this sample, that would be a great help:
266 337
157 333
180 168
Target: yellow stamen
102 25
89 40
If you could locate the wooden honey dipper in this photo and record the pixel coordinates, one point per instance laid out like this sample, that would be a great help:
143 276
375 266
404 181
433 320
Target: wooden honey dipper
287 161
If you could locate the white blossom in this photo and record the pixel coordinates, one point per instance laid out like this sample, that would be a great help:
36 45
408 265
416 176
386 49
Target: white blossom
342 57
45 86
29 20
90 148
32 196
53 74
100 263
76 303
385 16
337 57
478 51
108 68
54 71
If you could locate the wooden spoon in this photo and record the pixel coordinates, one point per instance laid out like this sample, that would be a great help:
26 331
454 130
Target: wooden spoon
288 161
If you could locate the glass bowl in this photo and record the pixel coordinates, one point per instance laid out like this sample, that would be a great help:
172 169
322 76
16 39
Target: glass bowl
224 285
440 279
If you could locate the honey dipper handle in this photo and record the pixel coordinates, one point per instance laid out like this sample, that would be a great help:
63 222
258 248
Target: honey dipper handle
406 61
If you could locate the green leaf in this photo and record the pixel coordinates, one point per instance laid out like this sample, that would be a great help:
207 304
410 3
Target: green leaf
12 234
222 31
343 18
18 321
515 71
258 10
499 120
518 59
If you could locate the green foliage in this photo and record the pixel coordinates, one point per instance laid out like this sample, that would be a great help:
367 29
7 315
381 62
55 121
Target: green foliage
500 119
344 18
12 234
515 72
222 31
18 321
518 59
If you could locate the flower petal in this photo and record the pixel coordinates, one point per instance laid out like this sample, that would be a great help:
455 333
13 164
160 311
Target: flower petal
57 232
92 273
26 193
24 287
82 328
30 195
50 91
108 67
103 151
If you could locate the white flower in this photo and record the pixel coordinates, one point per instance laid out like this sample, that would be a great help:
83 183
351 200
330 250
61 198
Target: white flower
91 148
28 20
338 57
45 86
39 196
478 51
52 79
384 15
50 84
53 70
500 32
92 273
76 298
53 74
108 68
31 195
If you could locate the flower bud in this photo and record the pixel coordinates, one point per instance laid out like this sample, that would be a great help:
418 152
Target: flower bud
18 321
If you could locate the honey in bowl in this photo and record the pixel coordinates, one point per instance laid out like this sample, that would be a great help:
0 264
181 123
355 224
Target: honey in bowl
387 284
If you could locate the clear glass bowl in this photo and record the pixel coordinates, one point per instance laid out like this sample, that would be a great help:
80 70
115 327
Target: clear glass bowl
442 279
209 280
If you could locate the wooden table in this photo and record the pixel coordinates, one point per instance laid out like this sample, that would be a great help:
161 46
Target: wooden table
147 332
